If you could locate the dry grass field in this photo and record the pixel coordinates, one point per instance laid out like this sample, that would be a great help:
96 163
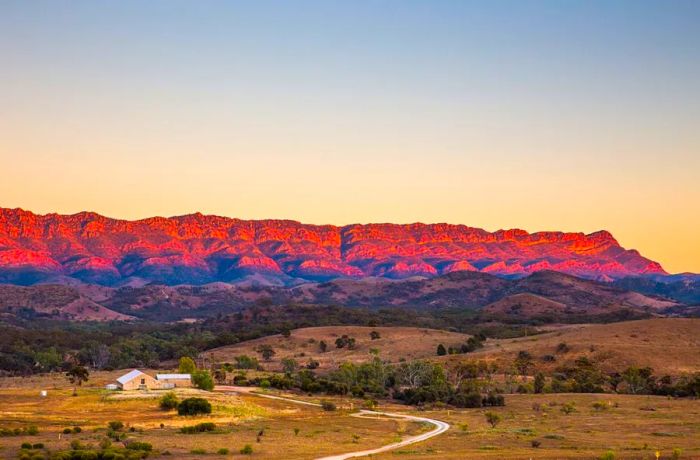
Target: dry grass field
303 344
668 345
633 427
239 419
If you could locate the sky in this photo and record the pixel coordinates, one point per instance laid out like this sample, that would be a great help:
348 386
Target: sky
540 115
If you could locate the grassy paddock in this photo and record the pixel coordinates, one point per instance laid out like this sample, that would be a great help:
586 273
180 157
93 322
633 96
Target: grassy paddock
634 427
289 430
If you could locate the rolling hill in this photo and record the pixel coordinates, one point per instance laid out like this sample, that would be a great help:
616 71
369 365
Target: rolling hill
393 345
668 345
546 296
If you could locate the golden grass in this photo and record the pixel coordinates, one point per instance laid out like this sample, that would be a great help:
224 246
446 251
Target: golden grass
628 427
239 419
668 345
395 343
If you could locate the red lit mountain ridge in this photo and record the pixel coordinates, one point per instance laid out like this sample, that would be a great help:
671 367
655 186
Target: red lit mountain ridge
197 249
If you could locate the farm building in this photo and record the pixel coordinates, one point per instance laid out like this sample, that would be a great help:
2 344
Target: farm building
137 380
174 380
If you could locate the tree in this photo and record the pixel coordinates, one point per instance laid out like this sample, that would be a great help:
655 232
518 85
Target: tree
266 351
492 418
289 365
441 350
97 354
374 335
187 365
614 379
203 380
246 362
523 362
539 382
637 379
462 371
286 333
323 346
76 376
220 375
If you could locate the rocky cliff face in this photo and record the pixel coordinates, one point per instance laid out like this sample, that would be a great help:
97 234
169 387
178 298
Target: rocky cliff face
197 249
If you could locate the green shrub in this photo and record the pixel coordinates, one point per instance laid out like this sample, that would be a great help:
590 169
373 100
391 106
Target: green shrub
106 443
328 406
223 451
116 425
203 380
38 445
492 418
77 429
76 445
609 455
198 428
169 401
67 431
194 406
247 450
568 408
139 445
198 452
26 445
32 430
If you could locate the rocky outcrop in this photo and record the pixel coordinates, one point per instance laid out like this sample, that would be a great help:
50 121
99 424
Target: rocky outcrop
198 249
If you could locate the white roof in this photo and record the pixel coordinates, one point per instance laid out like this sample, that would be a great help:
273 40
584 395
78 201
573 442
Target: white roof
173 376
129 376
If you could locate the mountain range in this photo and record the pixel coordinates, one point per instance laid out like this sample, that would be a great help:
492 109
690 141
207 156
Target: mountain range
196 249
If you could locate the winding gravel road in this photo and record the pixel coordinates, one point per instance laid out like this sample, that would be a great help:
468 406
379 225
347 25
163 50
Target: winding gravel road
440 426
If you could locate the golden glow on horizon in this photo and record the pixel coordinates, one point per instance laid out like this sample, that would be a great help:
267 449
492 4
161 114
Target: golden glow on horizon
575 117
647 208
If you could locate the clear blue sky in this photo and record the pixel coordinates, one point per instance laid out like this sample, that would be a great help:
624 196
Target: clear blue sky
539 115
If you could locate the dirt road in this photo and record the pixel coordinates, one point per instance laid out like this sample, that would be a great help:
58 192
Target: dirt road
440 426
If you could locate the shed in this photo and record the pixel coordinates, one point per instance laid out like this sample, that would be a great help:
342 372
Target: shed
174 380
136 380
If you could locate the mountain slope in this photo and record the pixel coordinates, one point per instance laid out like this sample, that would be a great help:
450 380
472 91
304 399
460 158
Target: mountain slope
197 249
545 296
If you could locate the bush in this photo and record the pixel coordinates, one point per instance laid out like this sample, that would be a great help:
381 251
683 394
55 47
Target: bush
139 445
609 455
568 408
198 452
328 406
247 450
246 362
203 380
67 431
198 428
492 418
116 425
32 430
169 401
535 443
26 445
38 445
77 429
194 406
223 451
